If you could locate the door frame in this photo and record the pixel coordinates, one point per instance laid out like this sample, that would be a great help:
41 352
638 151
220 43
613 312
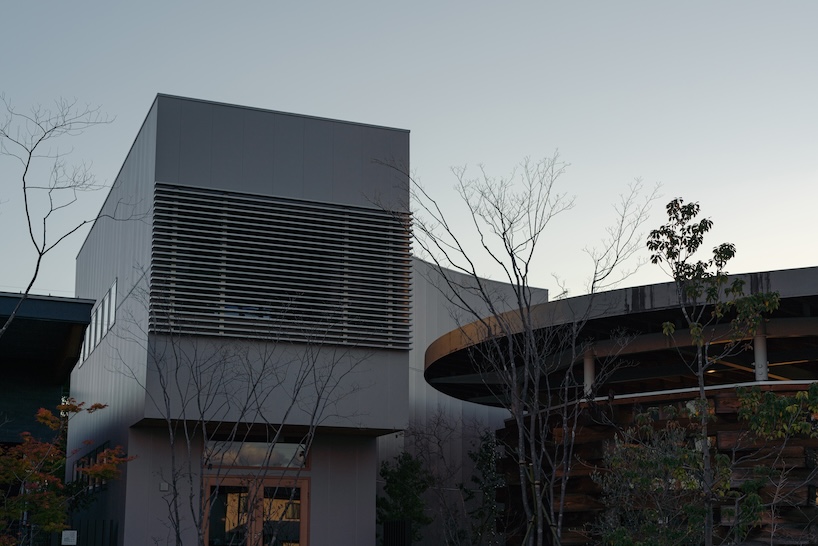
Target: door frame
255 486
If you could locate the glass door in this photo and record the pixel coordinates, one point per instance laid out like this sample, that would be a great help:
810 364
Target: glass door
256 512
282 516
229 517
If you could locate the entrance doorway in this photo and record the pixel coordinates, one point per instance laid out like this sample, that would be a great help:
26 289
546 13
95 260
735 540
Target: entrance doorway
257 512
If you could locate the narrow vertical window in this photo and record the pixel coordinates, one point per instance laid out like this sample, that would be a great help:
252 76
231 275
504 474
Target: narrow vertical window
93 331
84 352
103 314
97 327
112 305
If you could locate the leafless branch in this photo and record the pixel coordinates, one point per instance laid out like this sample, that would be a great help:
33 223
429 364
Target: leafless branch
33 137
527 364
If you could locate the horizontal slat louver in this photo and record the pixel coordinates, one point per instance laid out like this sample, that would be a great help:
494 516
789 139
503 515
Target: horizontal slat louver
260 267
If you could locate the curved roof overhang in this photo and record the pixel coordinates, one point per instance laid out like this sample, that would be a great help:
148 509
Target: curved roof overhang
627 325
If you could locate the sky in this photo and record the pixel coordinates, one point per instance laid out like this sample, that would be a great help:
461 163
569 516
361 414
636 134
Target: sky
715 101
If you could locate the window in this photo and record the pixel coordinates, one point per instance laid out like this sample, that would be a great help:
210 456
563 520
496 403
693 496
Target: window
256 454
241 510
87 461
102 320
112 305
103 308
93 331
246 501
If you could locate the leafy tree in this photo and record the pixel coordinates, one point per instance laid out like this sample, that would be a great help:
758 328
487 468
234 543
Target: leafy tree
682 479
485 482
34 499
405 482
651 486
779 423
652 489
773 416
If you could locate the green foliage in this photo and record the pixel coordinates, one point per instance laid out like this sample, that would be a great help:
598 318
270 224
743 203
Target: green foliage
486 480
775 416
676 242
652 484
652 477
702 479
750 310
405 482
705 281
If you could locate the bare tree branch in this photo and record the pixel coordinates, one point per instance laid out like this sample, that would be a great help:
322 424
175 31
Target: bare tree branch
528 366
33 137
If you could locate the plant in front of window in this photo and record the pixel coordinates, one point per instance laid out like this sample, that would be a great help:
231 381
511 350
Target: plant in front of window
34 499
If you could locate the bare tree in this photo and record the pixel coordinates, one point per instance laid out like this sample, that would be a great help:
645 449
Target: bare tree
227 403
528 363
31 138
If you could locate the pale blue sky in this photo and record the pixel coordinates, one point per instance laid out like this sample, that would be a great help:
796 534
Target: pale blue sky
718 101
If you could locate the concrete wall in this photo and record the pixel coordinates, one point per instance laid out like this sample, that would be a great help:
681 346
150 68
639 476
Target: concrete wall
789 283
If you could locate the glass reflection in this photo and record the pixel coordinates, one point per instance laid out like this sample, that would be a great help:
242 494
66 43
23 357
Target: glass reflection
229 516
255 454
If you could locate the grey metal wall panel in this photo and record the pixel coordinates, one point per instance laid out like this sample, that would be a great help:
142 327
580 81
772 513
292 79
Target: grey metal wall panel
189 144
114 372
398 182
342 509
309 158
359 389
196 145
258 152
147 515
347 169
288 165
168 124
318 160
340 479
116 248
228 144
380 180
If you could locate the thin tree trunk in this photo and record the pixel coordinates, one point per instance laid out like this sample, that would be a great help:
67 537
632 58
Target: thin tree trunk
707 467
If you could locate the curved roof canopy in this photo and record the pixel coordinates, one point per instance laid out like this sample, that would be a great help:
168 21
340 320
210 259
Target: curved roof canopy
623 330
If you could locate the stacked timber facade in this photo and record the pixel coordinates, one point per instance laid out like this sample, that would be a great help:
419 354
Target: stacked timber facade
790 513
629 366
